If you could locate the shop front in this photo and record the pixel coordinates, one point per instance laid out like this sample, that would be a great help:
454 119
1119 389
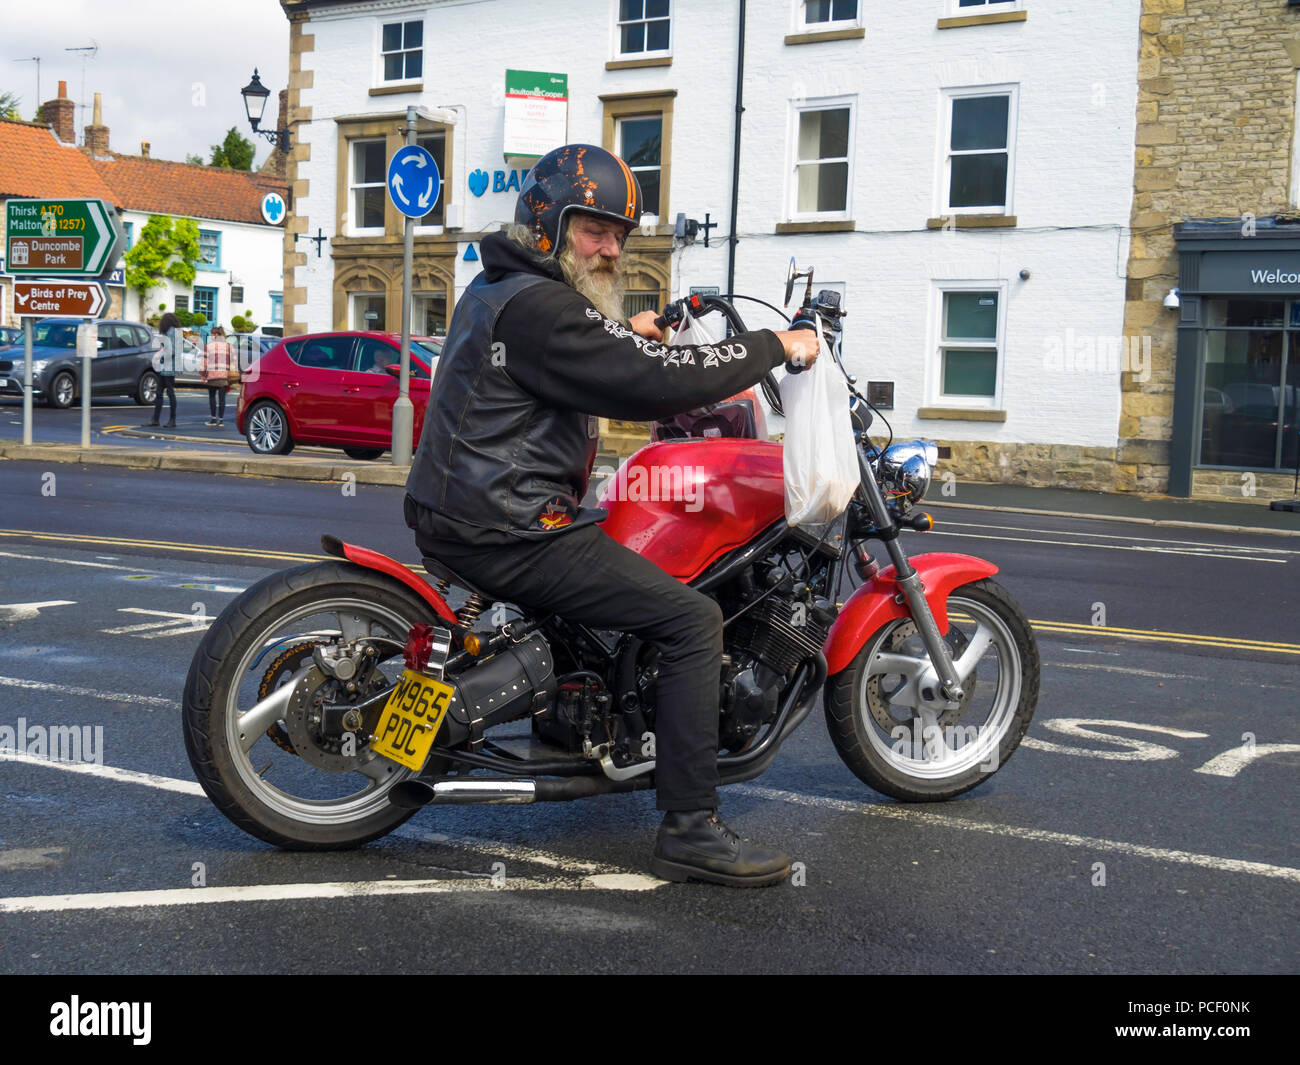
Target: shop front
1237 382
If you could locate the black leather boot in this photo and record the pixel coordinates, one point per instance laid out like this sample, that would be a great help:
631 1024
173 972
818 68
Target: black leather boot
697 846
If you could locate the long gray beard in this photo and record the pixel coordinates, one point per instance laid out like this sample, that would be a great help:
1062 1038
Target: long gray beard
605 288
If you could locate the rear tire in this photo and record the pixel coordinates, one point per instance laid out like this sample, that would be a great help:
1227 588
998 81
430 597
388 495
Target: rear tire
891 745
243 648
363 454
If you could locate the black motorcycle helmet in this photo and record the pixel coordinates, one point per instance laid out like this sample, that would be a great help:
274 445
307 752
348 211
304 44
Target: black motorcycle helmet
576 177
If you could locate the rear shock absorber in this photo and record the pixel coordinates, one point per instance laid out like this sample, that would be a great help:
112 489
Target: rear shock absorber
468 614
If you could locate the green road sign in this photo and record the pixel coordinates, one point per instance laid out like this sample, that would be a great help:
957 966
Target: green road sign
62 238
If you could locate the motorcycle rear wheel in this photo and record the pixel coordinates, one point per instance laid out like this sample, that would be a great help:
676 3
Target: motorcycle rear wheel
900 746
250 769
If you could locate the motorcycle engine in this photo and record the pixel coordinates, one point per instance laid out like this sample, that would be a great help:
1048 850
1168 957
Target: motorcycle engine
764 647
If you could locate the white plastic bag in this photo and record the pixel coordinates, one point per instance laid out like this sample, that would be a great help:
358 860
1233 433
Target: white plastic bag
691 332
821 460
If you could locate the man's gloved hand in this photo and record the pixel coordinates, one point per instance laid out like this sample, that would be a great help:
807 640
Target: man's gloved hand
643 325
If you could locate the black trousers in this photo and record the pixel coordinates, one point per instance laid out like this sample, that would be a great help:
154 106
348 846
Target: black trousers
166 383
585 576
217 400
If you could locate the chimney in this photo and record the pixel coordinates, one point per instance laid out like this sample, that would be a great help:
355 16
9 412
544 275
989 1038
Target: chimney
97 132
60 114
144 149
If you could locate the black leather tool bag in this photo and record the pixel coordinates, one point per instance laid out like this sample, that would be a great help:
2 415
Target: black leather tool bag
516 682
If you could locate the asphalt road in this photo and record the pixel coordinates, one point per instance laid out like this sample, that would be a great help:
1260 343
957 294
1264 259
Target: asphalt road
119 420
1130 834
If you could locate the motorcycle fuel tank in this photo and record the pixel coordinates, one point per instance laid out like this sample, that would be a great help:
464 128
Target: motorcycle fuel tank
683 504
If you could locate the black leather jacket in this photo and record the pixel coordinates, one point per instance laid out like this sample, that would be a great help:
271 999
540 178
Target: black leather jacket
509 436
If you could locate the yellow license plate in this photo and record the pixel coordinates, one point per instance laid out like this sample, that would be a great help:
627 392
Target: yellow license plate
411 718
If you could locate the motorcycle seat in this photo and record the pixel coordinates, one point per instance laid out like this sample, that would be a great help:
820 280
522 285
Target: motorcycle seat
442 572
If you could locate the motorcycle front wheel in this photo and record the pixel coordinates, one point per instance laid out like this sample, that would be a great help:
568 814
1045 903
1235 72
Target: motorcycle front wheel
896 737
285 770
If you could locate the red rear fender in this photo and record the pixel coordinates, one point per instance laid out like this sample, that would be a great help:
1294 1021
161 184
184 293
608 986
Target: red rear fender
875 603
363 556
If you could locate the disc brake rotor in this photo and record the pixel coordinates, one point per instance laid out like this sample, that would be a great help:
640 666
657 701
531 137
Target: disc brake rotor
288 662
886 713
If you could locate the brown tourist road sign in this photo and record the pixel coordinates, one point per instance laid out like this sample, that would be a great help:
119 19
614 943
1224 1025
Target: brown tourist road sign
59 299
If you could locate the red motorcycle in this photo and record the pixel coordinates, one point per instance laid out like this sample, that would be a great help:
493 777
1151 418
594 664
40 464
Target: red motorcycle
329 702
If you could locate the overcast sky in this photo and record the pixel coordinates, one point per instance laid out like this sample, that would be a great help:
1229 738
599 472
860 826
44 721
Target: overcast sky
168 71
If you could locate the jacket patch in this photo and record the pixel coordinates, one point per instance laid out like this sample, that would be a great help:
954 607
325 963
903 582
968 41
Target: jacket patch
555 515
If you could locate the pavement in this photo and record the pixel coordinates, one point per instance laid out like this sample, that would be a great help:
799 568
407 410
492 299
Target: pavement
323 464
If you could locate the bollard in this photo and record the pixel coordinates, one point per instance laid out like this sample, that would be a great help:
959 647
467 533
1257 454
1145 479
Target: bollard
87 342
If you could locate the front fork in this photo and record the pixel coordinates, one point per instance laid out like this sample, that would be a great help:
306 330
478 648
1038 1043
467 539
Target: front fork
910 583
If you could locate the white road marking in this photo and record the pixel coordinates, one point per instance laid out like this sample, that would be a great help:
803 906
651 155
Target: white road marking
116 900
1209 551
495 849
65 561
27 611
1243 548
1037 835
1094 666
575 872
153 630
1136 750
150 701
1230 763
107 772
31 857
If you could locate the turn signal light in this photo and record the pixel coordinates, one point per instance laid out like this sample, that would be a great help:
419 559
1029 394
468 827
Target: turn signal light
474 644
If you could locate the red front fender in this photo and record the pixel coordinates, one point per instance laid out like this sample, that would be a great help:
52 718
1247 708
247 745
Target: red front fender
875 603
375 560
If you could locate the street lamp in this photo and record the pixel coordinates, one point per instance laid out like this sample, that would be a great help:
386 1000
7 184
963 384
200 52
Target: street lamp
255 94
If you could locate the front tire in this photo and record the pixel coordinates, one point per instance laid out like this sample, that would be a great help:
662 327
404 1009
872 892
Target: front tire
63 390
897 738
281 777
267 429
363 454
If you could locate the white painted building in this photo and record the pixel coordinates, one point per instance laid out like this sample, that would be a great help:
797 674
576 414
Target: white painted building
962 170
242 270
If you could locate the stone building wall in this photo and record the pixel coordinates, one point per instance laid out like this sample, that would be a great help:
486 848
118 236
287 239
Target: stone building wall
1215 122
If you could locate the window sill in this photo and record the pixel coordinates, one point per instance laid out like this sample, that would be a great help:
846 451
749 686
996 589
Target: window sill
843 226
630 64
817 36
982 20
973 221
961 414
393 90
208 268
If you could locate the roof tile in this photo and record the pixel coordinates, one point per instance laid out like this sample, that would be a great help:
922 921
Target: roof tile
33 163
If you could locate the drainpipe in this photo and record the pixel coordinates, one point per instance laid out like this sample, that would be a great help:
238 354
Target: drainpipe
735 152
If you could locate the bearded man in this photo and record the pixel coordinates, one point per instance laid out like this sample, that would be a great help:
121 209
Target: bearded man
538 348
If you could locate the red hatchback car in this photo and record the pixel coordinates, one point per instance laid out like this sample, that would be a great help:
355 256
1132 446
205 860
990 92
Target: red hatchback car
334 389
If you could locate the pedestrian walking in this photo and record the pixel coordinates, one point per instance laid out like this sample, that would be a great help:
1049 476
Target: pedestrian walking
216 375
165 363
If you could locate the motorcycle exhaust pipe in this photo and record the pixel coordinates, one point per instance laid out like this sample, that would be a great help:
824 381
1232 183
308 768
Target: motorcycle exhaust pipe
415 794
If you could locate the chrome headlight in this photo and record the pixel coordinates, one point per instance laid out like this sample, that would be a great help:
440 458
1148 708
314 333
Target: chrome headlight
905 471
